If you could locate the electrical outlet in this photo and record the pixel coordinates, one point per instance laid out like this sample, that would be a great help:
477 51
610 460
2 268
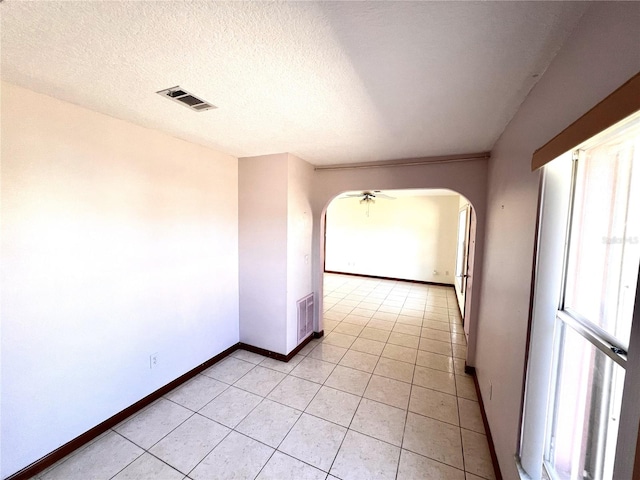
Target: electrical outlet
435 272
153 360
447 272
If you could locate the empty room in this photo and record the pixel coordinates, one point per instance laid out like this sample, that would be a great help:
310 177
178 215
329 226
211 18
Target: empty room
324 240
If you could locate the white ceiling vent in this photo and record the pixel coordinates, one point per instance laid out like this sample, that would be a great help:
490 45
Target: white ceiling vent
180 95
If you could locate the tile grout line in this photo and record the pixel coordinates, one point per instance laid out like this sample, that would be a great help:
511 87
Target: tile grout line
127 465
354 415
451 356
191 416
144 450
233 429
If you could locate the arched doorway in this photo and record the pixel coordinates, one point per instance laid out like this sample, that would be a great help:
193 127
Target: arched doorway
332 184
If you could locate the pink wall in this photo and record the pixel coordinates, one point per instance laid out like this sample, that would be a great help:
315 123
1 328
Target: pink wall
299 242
262 203
274 248
601 54
117 242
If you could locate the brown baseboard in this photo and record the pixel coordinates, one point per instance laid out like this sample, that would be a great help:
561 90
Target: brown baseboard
494 458
61 452
263 352
280 356
391 278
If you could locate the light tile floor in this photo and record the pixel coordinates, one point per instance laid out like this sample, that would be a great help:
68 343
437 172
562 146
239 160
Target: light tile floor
382 396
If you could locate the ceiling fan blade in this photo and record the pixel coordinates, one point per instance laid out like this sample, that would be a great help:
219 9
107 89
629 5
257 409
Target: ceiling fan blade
384 195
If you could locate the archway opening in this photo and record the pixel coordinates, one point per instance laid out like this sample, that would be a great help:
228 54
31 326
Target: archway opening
410 237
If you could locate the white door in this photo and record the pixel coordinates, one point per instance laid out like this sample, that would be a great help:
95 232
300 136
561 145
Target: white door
462 256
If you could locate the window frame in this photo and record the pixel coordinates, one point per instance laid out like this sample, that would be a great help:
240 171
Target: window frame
602 339
567 318
548 313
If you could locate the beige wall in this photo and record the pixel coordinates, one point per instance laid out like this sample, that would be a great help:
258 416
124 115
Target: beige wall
117 242
600 55
409 237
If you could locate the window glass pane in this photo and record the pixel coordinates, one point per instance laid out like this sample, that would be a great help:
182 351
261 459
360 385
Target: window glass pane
604 250
588 399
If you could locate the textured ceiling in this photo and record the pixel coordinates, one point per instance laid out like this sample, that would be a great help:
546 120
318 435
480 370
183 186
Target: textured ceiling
331 82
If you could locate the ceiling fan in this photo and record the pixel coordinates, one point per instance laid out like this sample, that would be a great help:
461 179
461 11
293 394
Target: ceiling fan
369 196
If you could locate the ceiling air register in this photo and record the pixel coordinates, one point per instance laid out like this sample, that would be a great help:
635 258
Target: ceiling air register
180 95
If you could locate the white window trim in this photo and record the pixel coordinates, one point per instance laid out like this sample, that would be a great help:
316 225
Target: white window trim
555 208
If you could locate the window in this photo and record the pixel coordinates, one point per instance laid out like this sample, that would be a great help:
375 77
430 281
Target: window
587 403
596 307
604 243
587 271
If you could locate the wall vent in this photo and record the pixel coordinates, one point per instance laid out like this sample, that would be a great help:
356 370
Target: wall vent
180 95
305 317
